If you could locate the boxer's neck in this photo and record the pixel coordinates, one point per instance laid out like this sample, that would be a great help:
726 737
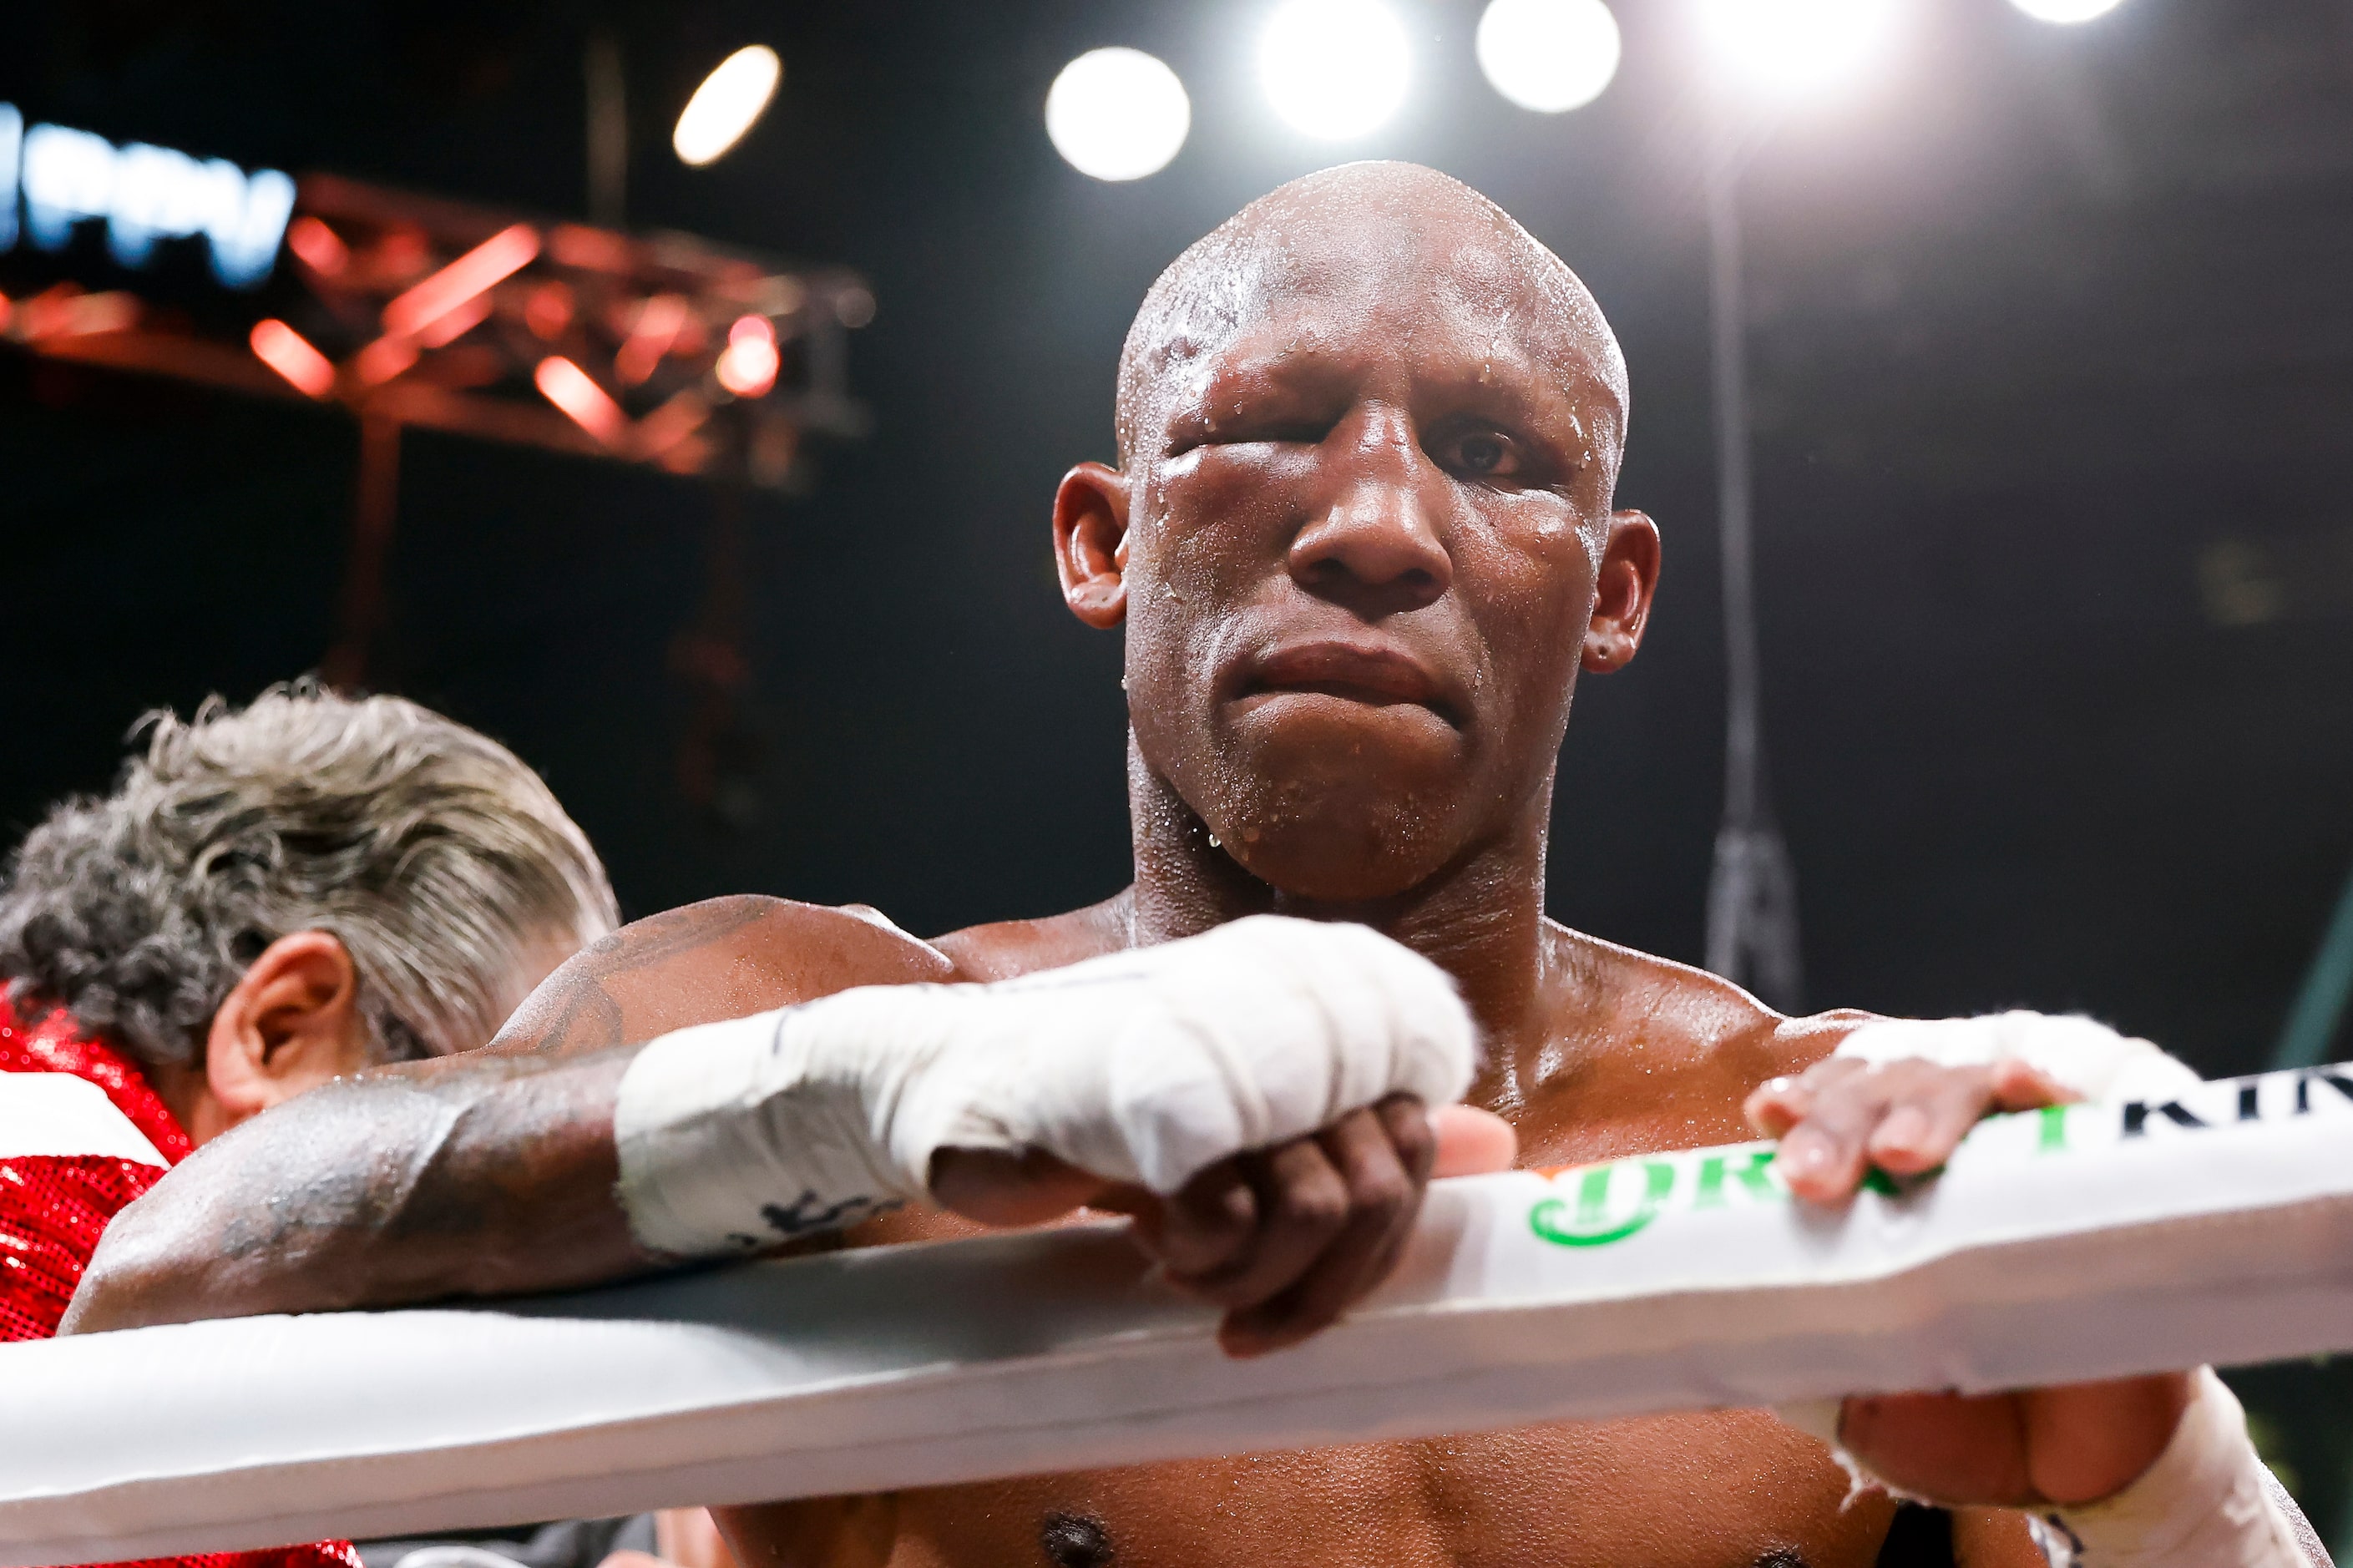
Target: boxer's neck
1481 918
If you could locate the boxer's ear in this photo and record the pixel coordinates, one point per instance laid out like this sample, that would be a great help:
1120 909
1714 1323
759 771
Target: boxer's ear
290 1023
1091 544
1622 589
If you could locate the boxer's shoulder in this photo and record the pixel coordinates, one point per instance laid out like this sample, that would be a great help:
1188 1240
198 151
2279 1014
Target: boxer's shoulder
723 958
1684 1009
1007 948
1625 997
1646 1052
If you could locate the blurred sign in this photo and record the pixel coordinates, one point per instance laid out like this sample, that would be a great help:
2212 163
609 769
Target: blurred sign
61 177
414 310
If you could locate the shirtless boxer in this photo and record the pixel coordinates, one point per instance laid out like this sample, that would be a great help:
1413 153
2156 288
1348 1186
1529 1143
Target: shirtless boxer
1361 540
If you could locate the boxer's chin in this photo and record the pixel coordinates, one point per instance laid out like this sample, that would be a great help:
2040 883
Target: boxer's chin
1333 799
1348 858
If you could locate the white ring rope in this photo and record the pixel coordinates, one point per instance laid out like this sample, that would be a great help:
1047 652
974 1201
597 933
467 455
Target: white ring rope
2094 1241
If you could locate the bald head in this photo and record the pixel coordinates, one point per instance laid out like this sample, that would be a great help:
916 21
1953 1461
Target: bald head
1365 229
1364 536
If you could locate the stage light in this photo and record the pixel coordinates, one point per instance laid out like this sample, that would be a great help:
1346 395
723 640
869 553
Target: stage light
747 365
320 248
658 321
382 360
727 104
450 325
591 407
491 262
1550 55
287 352
2066 12
1117 114
674 422
1797 46
1333 68
548 310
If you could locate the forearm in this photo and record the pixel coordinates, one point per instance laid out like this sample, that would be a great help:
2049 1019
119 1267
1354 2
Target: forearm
394 1187
488 1174
550 1161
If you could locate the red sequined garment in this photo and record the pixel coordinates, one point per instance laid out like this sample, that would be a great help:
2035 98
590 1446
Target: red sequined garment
70 1161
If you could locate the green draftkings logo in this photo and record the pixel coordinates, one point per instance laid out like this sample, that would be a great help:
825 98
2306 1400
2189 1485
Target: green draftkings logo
1611 1202
1617 1200
1598 1205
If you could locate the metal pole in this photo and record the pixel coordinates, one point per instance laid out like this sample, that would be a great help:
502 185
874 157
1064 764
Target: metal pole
1728 323
1751 897
608 131
375 502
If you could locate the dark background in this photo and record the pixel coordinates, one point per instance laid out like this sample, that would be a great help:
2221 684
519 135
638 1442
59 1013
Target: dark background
2054 369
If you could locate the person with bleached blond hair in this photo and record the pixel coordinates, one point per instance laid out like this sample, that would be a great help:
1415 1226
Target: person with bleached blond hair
270 897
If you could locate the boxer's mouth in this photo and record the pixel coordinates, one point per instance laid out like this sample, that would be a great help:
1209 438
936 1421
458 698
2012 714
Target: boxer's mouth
1376 676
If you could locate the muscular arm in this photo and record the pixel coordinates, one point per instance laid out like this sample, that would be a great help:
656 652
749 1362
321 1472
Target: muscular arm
485 1174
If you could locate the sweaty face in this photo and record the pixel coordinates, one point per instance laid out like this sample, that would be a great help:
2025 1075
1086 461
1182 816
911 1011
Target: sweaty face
1363 545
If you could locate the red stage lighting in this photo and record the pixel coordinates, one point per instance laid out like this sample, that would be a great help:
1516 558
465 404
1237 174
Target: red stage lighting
322 251
287 352
499 256
591 407
657 328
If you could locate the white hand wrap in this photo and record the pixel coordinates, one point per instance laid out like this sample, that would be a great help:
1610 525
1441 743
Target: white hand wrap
2207 1502
1146 1065
2089 1058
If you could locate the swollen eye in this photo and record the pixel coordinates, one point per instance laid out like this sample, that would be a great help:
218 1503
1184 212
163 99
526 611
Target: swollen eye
1485 454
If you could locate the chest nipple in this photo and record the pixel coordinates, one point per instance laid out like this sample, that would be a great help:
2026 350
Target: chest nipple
1075 1541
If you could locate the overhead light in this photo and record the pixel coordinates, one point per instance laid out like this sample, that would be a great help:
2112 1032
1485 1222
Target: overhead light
747 365
727 104
2067 11
1548 55
382 360
576 392
1334 69
1799 47
658 321
1117 114
321 247
492 262
289 353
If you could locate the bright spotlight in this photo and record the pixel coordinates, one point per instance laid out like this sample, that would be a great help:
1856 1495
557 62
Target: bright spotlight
1117 114
1801 46
1548 55
727 104
2067 11
747 365
1333 68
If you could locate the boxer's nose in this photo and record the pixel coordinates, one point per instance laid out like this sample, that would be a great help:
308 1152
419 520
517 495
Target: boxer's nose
1374 547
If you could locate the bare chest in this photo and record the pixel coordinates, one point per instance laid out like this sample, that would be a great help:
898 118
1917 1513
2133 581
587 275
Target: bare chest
1729 1489
1723 1489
